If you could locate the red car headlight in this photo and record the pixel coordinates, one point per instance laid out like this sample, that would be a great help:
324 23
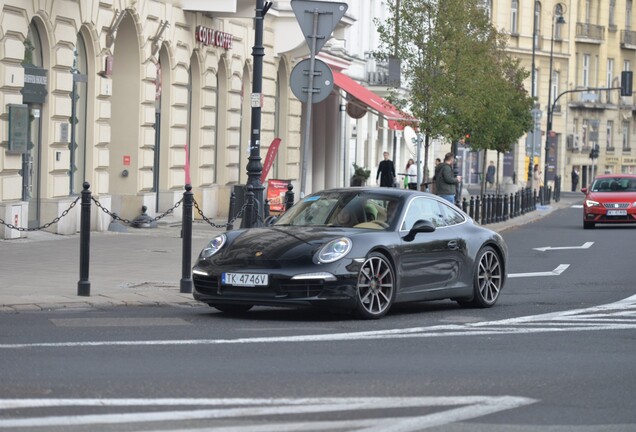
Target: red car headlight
592 203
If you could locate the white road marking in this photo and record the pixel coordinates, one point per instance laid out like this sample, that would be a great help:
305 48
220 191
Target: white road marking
457 409
577 206
556 272
585 245
620 315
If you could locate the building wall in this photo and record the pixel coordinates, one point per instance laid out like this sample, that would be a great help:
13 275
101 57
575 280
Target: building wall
120 144
581 51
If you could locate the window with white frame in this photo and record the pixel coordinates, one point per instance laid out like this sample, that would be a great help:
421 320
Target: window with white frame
626 135
514 17
628 14
612 13
610 134
584 131
609 78
588 11
555 86
586 71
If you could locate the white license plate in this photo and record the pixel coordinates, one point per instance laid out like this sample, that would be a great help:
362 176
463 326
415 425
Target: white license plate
244 279
617 212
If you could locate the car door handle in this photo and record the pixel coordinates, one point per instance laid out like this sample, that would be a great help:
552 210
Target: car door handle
452 245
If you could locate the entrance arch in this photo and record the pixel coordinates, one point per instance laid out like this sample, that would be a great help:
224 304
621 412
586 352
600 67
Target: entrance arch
127 172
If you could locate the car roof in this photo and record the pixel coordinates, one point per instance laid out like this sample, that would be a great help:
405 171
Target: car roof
396 192
606 176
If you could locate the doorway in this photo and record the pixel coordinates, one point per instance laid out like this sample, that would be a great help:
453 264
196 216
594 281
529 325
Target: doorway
31 165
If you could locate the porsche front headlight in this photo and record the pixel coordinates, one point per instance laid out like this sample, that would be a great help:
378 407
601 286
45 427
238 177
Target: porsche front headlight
334 250
214 246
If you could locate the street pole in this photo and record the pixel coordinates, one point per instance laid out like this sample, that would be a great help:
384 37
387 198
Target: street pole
533 73
255 166
555 20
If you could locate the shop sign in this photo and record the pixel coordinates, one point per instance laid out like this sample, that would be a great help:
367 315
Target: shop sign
612 160
629 161
35 82
18 128
208 36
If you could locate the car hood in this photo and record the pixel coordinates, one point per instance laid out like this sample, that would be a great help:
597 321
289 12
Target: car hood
606 197
275 246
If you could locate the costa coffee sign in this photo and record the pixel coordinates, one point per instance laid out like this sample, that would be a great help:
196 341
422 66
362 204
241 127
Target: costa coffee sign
208 36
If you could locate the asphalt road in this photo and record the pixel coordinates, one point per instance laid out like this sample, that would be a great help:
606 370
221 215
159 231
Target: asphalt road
555 354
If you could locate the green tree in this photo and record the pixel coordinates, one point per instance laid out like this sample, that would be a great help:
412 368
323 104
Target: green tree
460 78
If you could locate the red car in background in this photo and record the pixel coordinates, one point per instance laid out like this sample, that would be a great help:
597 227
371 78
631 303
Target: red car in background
610 200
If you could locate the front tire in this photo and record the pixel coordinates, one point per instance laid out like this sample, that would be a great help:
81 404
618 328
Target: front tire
375 291
488 278
231 308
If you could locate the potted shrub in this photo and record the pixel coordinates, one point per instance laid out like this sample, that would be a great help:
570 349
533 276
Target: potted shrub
360 175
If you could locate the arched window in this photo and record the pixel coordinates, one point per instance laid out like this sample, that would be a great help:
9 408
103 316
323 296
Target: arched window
79 100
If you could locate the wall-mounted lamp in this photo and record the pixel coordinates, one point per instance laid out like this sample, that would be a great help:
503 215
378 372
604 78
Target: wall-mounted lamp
156 39
114 25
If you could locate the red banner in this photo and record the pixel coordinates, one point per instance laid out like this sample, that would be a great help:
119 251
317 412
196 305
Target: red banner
269 159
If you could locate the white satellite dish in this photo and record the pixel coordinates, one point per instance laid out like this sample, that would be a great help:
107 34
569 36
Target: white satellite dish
409 134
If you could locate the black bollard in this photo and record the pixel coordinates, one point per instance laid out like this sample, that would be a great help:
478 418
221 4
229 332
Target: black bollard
266 209
477 208
231 215
248 216
186 229
84 285
471 207
289 197
464 205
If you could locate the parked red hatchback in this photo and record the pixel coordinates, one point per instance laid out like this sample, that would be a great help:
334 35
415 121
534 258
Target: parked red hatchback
610 200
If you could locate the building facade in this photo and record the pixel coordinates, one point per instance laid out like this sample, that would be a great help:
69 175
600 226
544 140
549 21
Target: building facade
140 97
585 55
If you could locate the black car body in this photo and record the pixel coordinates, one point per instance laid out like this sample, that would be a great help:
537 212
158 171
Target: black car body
396 246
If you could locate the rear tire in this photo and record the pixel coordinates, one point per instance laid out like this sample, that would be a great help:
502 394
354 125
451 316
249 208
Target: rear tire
588 225
488 278
231 308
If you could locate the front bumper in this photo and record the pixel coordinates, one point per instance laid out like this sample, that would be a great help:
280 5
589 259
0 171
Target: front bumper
598 214
282 290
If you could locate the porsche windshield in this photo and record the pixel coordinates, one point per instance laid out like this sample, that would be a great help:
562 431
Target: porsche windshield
339 209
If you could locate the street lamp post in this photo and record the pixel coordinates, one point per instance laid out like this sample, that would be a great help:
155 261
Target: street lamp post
557 19
255 166
533 78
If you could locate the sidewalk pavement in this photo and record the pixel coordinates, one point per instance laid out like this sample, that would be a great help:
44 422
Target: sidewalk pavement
133 268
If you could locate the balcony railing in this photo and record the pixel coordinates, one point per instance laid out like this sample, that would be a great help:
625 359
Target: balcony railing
628 39
590 32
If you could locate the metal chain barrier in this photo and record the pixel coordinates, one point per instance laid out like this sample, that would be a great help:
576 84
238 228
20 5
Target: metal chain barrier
128 222
210 222
46 225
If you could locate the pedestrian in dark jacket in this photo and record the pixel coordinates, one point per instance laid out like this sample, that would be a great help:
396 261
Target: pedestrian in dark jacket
445 181
386 172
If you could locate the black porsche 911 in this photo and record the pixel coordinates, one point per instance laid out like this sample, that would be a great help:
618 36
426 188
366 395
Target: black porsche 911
361 249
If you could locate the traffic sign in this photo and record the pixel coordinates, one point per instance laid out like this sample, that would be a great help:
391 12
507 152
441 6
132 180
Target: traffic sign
321 16
322 82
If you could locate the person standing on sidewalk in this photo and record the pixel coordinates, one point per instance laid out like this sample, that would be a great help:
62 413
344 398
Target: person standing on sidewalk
575 179
445 181
411 175
386 172
490 174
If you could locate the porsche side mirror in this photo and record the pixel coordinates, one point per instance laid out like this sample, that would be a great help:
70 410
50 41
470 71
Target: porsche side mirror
270 220
420 226
584 190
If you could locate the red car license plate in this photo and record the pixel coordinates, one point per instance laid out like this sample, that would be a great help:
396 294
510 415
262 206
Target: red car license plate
617 212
